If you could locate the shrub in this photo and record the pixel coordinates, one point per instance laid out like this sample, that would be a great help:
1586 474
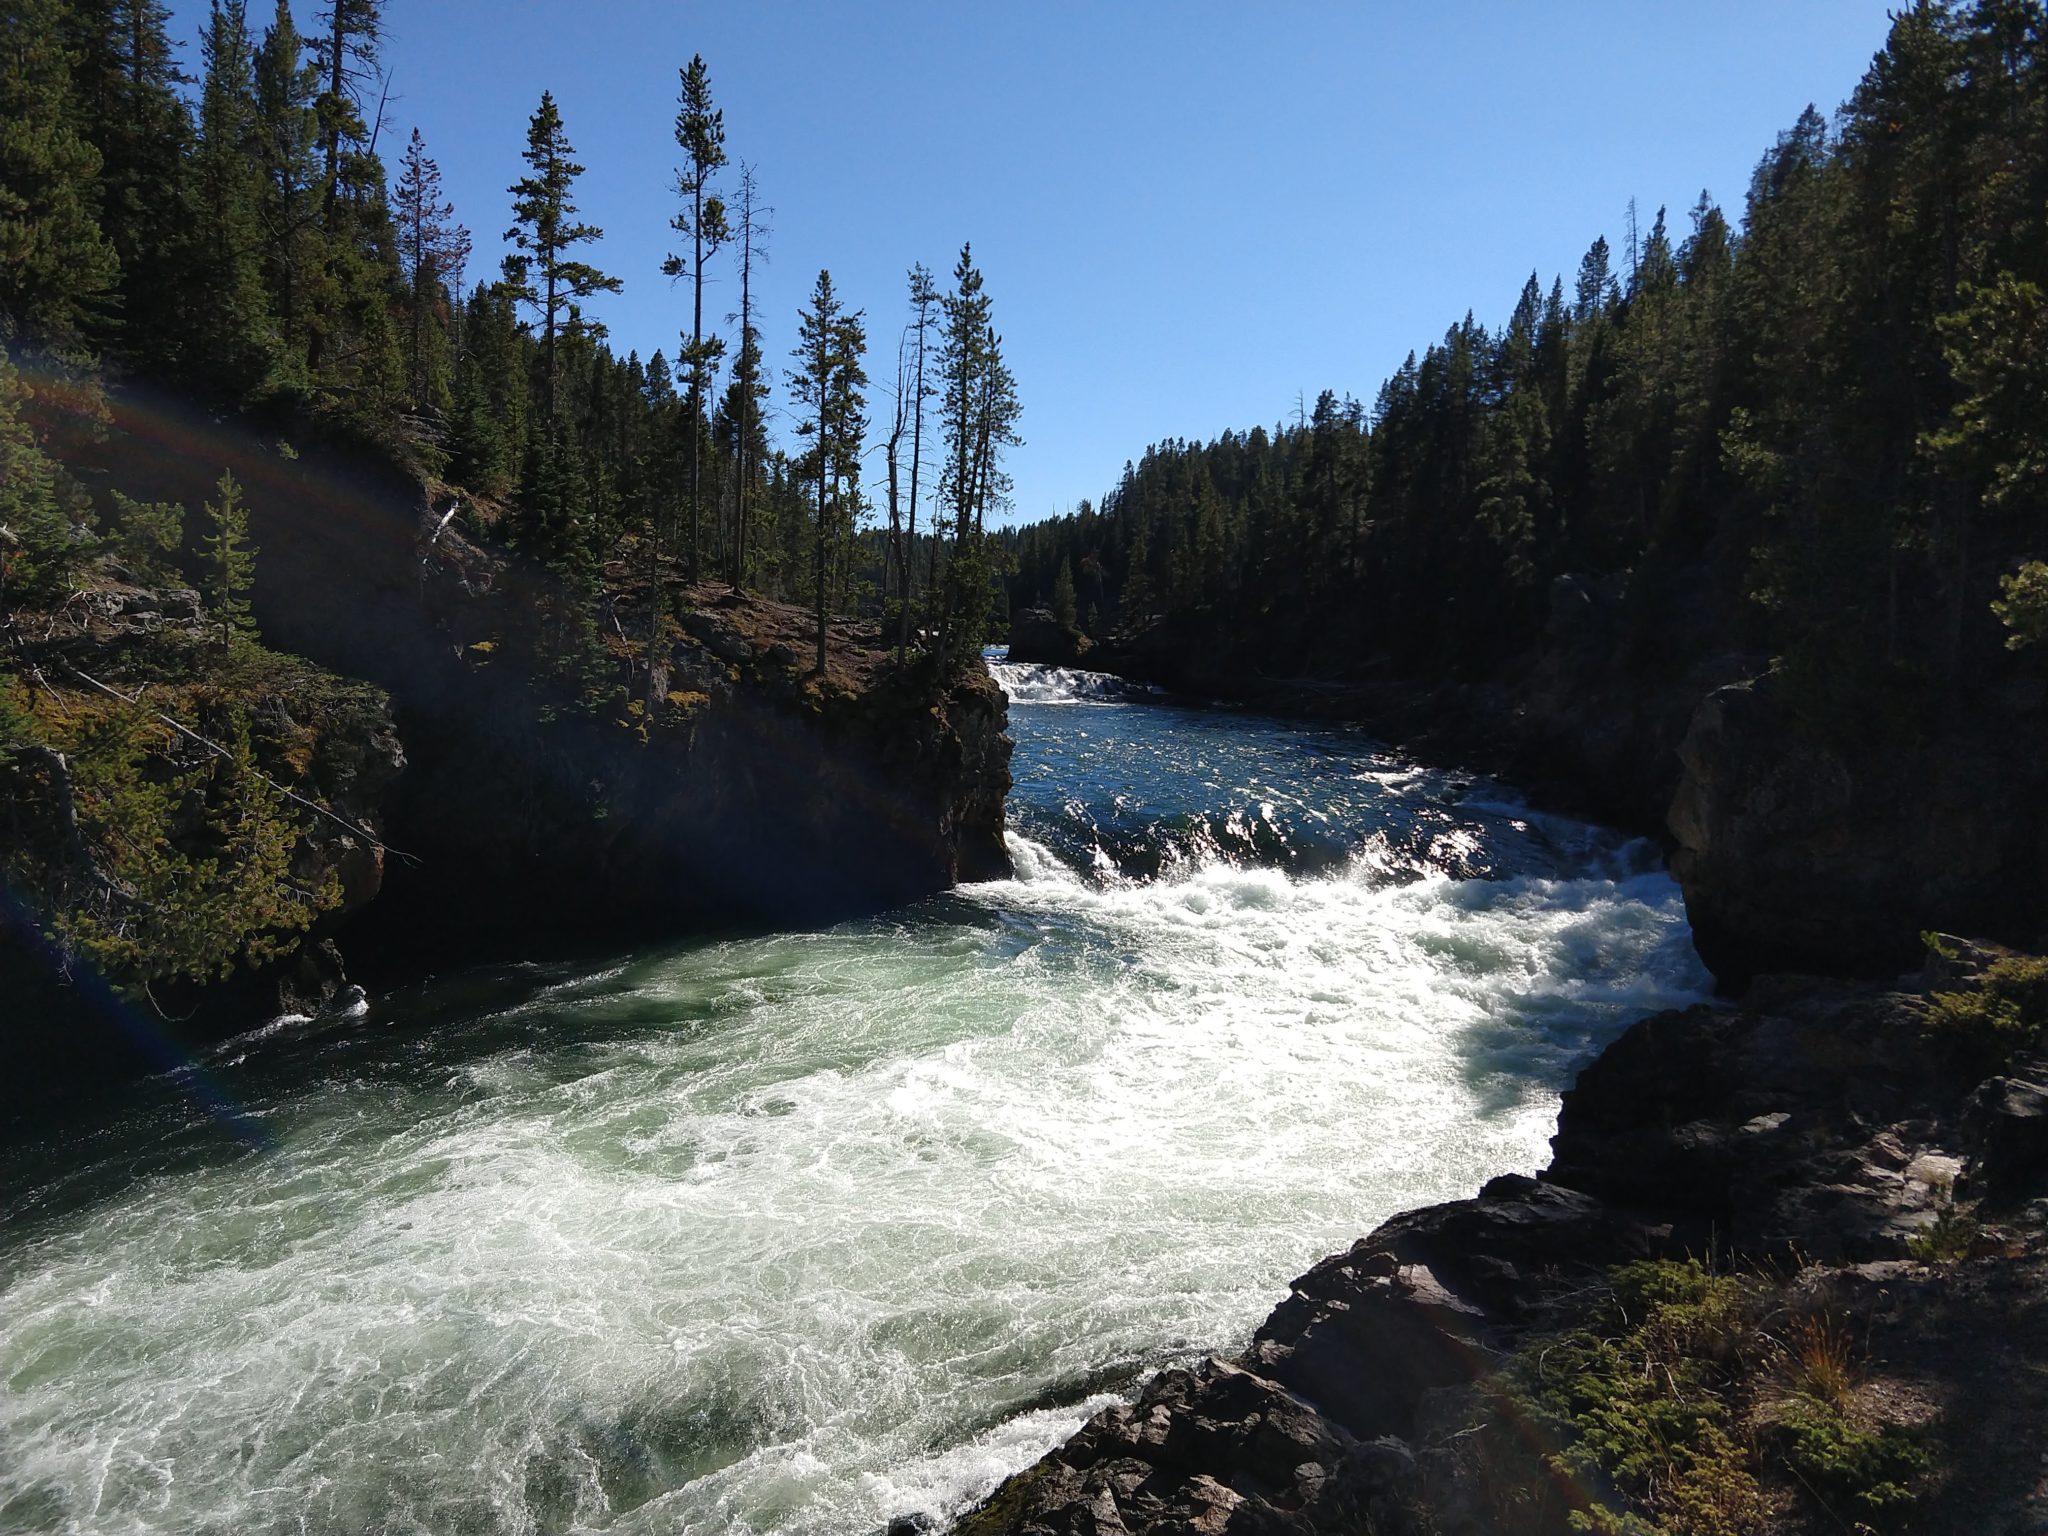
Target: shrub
180 864
1635 1403
2023 606
1862 1473
1947 1240
1820 1356
2003 1013
147 534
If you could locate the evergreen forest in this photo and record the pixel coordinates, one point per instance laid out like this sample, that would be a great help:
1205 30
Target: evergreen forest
248 233
1815 429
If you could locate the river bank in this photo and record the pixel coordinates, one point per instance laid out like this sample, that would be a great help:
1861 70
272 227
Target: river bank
1785 1272
1816 1218
465 766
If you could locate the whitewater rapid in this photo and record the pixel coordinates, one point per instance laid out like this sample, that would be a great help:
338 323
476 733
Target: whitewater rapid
802 1232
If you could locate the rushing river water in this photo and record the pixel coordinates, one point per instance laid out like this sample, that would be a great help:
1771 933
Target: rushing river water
801 1232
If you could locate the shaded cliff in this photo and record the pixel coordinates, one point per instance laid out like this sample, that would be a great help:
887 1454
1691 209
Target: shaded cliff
1037 635
576 766
1795 849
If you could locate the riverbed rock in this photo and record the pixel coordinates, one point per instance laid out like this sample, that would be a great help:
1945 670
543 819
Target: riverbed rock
1211 1448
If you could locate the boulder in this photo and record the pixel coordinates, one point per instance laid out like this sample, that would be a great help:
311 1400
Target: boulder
2006 1131
1797 852
1213 1449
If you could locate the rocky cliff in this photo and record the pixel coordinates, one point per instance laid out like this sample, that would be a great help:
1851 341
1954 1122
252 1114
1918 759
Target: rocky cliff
1796 849
1786 1265
1036 635
569 777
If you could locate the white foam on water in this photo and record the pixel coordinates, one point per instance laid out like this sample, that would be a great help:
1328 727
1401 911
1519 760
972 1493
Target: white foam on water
1030 683
810 1230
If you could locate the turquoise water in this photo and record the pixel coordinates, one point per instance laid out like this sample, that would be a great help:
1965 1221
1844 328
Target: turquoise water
800 1232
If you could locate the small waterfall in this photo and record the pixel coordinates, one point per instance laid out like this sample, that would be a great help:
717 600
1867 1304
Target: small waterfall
1028 683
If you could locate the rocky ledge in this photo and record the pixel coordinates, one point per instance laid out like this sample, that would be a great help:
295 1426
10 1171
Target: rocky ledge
1798 850
1786 1268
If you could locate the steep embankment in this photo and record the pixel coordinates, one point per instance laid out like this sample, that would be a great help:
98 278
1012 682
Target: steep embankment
1854 1168
187 818
575 767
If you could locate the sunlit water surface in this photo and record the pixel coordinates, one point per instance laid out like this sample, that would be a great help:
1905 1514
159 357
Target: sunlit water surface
802 1232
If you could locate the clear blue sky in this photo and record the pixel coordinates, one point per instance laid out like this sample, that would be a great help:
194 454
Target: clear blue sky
1187 212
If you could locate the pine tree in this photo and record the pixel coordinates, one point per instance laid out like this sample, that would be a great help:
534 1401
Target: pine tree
541 275
924 298
978 413
125 79
234 334
700 134
287 136
231 561
352 32
827 383
1063 603
749 390
432 251
41 546
1596 288
488 441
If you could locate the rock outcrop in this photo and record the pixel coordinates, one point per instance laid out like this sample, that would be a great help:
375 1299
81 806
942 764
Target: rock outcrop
1037 636
737 788
647 777
1794 850
1819 1136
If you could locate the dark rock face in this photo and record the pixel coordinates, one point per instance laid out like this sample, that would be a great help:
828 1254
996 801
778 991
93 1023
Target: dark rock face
1793 851
2006 1131
740 791
1820 1126
753 797
1036 636
1819 1122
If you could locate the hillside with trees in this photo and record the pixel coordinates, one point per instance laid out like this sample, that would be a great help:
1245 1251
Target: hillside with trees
1806 446
450 484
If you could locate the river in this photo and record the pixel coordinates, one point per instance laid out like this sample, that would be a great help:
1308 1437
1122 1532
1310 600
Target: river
799 1232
